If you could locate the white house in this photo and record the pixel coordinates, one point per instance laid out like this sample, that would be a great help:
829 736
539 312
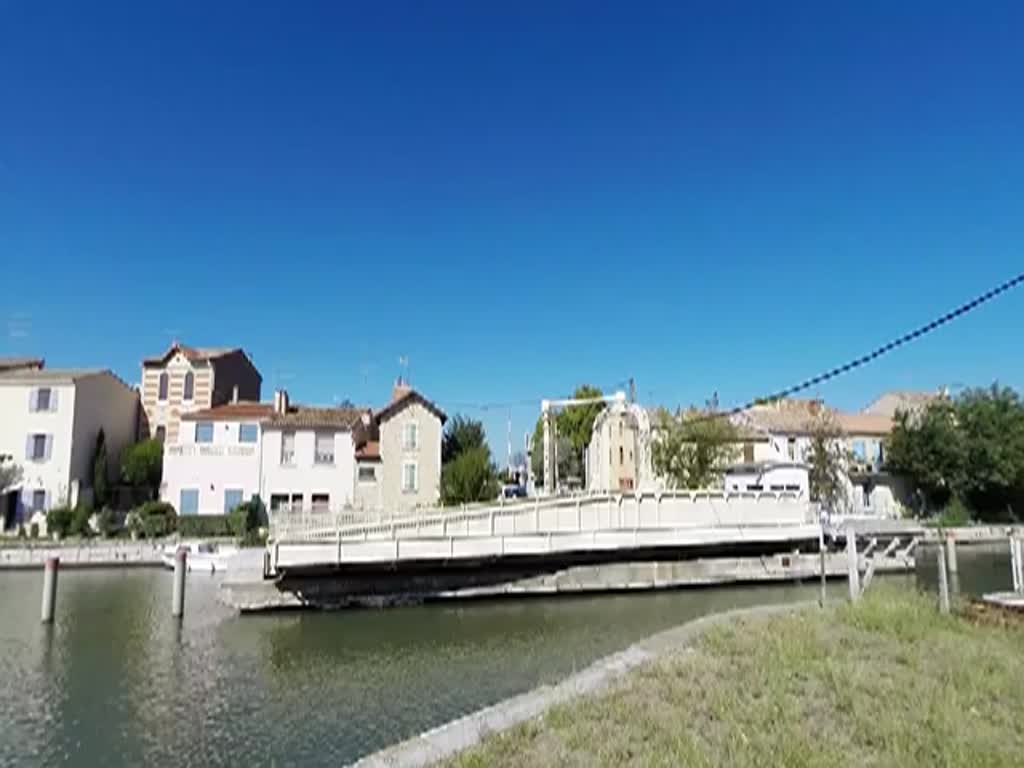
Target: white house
49 421
768 476
215 464
308 458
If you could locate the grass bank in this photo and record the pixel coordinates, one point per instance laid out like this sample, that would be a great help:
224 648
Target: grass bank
886 682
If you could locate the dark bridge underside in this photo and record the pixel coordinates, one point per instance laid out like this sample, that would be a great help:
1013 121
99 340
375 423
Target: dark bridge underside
353 583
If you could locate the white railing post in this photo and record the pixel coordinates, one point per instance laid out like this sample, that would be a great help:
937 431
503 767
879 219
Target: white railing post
579 517
536 516
852 567
492 522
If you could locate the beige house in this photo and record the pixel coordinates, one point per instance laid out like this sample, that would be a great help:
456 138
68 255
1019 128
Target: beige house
398 454
187 379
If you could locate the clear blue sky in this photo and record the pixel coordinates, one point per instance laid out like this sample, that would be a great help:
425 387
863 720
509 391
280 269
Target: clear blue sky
708 197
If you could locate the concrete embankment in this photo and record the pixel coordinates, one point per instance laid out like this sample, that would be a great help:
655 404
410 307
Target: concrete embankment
453 737
384 588
85 554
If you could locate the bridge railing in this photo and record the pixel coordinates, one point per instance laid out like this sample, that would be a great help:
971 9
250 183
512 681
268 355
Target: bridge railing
581 514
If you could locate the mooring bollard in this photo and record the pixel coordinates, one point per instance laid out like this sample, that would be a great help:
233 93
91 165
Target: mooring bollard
951 554
853 571
1016 567
943 581
178 598
50 588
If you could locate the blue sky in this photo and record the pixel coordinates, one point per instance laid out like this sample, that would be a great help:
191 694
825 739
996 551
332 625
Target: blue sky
712 197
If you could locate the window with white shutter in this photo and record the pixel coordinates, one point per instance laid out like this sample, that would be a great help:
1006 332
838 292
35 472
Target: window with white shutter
410 481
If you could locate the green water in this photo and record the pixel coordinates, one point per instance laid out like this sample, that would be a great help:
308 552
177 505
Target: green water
117 682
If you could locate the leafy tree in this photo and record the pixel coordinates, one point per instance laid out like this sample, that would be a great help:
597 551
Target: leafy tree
59 520
470 476
100 478
691 449
992 424
10 473
462 434
827 457
929 449
142 465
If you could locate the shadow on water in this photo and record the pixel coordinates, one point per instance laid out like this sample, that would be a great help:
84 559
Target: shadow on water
118 681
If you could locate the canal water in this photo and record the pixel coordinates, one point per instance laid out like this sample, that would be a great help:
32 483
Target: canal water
117 682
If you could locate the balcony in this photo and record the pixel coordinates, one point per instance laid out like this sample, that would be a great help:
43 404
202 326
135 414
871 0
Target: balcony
206 449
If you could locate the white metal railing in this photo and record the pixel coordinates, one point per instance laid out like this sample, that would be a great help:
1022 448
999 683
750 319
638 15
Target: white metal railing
645 510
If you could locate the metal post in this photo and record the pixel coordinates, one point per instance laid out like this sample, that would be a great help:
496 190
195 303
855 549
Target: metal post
1015 570
50 568
853 574
178 596
943 582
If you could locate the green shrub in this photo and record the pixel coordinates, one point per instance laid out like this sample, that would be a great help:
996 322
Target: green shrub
204 526
154 519
107 523
58 520
247 518
955 514
80 521
21 531
33 531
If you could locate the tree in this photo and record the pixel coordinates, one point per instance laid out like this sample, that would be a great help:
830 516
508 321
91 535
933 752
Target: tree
100 478
928 448
469 477
462 434
828 459
10 473
142 466
691 449
991 422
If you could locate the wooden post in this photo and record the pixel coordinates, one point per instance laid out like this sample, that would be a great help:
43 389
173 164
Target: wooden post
49 606
943 582
821 555
178 595
852 568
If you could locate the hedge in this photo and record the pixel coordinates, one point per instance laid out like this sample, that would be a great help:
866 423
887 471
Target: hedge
204 526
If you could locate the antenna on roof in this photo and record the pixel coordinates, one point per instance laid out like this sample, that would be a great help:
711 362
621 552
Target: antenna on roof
403 363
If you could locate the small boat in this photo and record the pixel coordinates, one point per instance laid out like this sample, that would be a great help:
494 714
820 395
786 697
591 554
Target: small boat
201 555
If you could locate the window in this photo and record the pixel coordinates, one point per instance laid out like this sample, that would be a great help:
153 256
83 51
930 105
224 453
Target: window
622 456
38 448
204 432
161 433
190 386
748 452
410 436
232 498
367 475
859 452
791 448
189 502
776 488
43 399
38 501
278 501
324 448
287 447
321 501
248 433
296 502
162 393
410 481
755 487
792 487
620 427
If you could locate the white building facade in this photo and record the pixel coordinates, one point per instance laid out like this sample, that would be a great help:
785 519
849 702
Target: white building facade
49 422
215 464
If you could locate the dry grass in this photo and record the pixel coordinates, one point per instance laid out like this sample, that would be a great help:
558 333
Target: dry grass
888 682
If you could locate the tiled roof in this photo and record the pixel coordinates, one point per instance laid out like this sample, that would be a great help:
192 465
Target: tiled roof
244 411
19 363
864 423
369 451
49 375
888 403
195 354
310 417
409 397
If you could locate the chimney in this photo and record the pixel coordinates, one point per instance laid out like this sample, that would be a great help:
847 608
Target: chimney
280 401
401 389
234 394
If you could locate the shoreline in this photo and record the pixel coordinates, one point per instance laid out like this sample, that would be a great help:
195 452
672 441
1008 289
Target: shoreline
448 739
80 555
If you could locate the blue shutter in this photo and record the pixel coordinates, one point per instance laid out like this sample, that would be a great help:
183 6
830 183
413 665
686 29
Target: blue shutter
28 447
33 400
49 447
232 498
53 399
